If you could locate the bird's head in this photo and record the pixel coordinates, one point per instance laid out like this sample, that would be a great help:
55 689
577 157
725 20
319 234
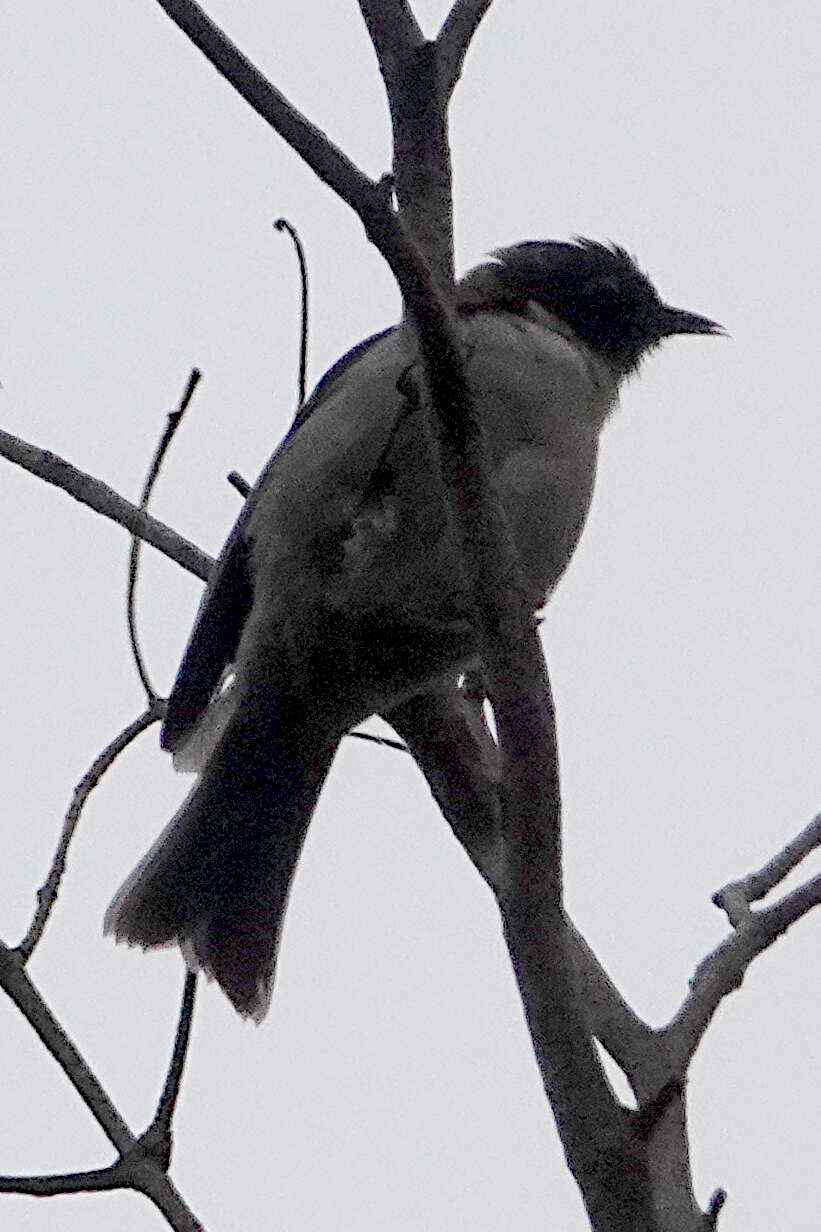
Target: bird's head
599 291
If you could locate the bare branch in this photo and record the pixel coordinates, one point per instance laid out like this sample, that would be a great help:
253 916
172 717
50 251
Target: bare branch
136 1169
448 737
735 897
47 894
717 1201
147 1178
383 740
241 485
172 423
157 1137
394 32
125 1174
103 499
609 1164
97 1180
455 38
630 1041
142 1175
446 733
409 65
722 971
282 224
789 910
17 984
370 199
324 158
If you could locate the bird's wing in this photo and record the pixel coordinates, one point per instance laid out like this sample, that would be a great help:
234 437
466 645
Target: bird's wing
229 594
330 378
213 641
347 511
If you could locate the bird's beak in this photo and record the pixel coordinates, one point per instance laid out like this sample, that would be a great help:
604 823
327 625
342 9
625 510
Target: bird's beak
677 321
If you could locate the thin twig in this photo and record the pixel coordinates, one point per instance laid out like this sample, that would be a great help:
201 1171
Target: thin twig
172 423
717 1201
157 1137
47 894
19 987
242 485
386 740
141 1175
96 1180
136 1169
103 499
282 224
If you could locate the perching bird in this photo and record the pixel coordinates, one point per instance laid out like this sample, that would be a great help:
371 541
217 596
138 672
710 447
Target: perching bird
340 591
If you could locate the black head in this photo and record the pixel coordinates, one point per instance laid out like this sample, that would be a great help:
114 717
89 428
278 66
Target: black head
601 293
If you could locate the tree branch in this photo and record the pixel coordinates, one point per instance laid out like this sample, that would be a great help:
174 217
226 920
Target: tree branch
282 224
324 158
723 970
445 732
158 1134
629 1040
173 421
96 1180
607 1157
394 33
136 1168
103 499
736 896
455 38
124 1174
47 894
17 984
531 899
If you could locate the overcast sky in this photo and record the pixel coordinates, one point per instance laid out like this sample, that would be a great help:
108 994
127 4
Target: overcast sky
393 1085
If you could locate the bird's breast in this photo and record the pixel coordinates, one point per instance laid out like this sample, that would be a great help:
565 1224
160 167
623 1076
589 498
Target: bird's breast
351 516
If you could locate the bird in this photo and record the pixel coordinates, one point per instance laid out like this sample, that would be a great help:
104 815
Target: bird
341 592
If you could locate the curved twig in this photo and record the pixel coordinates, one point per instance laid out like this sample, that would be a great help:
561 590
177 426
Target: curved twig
172 423
47 894
282 224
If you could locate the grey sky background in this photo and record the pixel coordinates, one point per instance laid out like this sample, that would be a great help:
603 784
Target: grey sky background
392 1085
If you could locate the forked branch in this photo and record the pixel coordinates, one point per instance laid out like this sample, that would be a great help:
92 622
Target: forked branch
723 970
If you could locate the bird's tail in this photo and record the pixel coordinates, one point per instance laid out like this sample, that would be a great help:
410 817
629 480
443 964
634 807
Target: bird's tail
217 879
